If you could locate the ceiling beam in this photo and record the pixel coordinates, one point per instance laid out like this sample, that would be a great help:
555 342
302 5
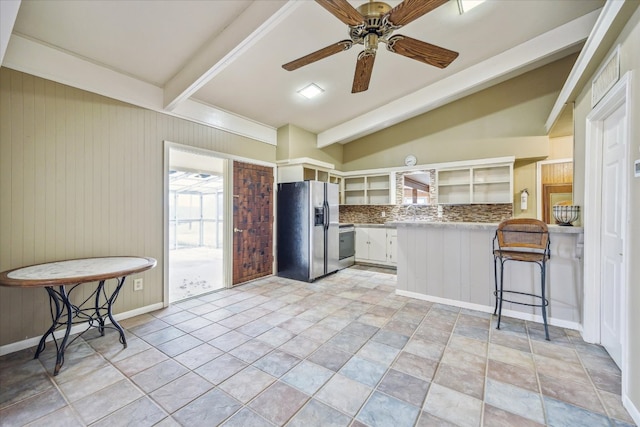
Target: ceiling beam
8 14
527 56
253 23
31 57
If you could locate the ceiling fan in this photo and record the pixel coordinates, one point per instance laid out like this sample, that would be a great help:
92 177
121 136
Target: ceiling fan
373 23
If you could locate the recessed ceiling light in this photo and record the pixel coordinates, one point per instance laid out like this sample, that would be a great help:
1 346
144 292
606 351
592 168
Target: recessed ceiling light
467 5
311 91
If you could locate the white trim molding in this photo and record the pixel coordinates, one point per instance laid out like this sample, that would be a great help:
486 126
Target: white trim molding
631 408
489 309
588 56
76 329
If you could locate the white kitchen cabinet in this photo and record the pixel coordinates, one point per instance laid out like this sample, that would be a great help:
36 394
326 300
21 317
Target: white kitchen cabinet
392 246
368 189
302 169
302 172
476 183
375 245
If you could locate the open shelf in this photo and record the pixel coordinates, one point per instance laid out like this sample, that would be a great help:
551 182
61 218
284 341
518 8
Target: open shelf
476 184
367 190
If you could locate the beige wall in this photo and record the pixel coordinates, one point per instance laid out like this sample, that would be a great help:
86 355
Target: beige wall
82 175
283 148
525 175
629 40
561 148
504 120
295 142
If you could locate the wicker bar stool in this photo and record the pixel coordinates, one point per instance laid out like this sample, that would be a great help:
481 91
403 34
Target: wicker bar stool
524 240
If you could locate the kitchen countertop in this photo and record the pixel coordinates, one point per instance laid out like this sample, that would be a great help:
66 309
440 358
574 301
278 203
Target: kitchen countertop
385 225
477 226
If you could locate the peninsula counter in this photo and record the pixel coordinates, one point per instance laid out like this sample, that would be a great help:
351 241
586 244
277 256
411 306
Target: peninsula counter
452 263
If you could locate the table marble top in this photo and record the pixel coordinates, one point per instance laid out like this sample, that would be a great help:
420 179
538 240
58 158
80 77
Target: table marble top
75 270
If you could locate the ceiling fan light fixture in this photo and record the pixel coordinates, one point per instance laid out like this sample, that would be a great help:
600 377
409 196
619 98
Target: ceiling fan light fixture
311 91
467 5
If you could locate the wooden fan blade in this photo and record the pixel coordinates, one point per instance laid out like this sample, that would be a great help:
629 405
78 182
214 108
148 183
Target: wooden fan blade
421 51
342 10
318 55
410 10
364 67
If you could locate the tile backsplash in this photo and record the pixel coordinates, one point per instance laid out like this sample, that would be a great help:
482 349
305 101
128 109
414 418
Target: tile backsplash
372 214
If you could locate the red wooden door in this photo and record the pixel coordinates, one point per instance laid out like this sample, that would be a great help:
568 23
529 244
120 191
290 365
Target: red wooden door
252 221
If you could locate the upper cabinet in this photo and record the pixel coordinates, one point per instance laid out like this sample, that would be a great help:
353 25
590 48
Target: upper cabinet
476 182
305 169
492 184
368 189
456 183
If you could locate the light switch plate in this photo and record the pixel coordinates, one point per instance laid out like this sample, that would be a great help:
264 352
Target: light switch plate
636 168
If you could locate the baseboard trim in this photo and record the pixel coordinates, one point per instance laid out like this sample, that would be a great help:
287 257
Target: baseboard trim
489 309
631 409
32 342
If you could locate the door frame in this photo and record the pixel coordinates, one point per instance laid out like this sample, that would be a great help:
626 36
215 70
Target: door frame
618 96
539 195
227 235
232 225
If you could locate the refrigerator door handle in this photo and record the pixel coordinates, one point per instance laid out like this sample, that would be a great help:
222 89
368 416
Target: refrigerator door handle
326 215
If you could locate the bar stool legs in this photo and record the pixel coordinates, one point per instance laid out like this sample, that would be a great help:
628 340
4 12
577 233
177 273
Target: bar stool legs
545 302
499 292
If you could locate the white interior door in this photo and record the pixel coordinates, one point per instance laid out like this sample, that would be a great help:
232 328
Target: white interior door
613 224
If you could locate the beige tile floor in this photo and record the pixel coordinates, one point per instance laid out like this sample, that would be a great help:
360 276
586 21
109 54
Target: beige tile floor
343 351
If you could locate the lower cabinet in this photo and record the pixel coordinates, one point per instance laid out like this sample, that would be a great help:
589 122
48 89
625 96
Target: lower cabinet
376 245
392 246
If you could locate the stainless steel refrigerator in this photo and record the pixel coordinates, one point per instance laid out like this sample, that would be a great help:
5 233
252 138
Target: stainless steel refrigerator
308 241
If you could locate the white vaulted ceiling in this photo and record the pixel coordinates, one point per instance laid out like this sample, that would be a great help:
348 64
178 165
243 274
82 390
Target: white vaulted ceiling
219 62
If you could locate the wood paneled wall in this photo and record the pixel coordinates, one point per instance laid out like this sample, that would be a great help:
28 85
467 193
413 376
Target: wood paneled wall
557 173
82 175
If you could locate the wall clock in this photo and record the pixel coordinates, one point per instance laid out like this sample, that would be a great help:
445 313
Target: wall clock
410 160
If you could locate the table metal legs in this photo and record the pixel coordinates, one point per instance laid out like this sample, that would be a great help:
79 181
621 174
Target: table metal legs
65 314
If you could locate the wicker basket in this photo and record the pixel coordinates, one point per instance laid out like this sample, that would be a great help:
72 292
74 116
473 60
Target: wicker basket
566 214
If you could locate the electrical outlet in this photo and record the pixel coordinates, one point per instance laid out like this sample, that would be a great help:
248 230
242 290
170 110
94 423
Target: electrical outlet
138 285
383 214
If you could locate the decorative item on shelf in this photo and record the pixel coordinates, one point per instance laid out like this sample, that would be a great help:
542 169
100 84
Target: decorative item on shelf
566 214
